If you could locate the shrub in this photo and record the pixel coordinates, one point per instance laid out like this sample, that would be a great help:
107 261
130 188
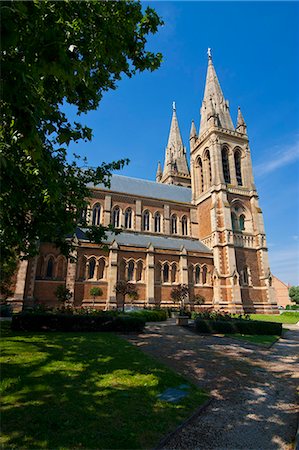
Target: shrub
292 307
5 310
153 315
95 292
63 294
199 300
237 326
75 322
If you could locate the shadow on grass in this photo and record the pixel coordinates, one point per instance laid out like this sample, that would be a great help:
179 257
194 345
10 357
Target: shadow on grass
93 390
254 388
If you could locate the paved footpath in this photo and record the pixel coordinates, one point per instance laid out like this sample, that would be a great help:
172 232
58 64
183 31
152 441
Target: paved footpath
253 388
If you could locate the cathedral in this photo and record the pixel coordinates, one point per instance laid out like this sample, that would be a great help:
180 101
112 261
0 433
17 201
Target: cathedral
198 224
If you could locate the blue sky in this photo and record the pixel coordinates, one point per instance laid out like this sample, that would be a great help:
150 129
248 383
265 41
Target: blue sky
255 48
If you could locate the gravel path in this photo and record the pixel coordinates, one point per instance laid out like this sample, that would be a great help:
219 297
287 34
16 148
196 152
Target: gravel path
253 388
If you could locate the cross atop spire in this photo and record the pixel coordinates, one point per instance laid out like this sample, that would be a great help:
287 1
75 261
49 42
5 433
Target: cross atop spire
214 103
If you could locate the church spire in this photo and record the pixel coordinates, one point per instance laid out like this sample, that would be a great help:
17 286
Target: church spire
241 125
159 173
214 104
175 165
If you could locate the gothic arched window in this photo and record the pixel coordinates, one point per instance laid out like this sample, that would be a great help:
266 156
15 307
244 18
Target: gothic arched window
174 224
128 218
96 214
101 270
197 275
245 276
115 217
139 271
50 268
131 267
157 222
204 274
166 273
184 226
234 221
242 222
200 175
173 273
91 268
237 157
146 221
61 267
208 168
225 165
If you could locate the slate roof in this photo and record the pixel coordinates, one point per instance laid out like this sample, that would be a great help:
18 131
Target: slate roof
146 188
144 240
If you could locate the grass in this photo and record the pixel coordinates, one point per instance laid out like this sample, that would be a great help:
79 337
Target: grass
281 318
85 391
259 339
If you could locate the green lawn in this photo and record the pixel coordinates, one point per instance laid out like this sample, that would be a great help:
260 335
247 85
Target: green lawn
85 391
259 339
281 318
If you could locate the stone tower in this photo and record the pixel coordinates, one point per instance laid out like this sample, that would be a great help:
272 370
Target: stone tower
229 216
176 170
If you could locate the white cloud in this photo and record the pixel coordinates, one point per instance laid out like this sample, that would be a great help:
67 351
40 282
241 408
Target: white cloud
280 158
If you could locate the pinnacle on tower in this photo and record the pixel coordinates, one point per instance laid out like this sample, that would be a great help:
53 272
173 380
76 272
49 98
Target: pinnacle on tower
175 155
159 173
214 104
241 125
193 131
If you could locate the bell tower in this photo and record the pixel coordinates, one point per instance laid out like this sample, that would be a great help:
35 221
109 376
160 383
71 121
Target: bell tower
229 215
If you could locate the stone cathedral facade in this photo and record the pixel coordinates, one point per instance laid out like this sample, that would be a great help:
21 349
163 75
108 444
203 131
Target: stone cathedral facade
198 224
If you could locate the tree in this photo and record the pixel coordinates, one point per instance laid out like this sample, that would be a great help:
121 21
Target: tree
63 294
179 294
95 292
294 294
125 288
55 53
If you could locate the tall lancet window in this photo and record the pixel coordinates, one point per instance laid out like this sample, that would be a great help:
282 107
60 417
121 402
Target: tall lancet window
128 218
96 214
200 175
174 224
184 226
115 217
157 222
146 221
225 165
238 167
208 168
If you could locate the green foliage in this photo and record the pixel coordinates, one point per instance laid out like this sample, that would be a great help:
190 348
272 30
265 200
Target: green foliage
258 339
76 322
199 299
179 294
290 307
285 317
153 315
294 294
55 53
85 390
5 309
237 326
63 294
96 292
125 288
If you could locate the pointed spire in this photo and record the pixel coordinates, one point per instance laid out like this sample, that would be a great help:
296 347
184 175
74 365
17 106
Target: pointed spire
214 103
175 140
159 173
193 131
241 125
175 154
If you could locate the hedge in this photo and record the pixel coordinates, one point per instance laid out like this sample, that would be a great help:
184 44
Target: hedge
238 326
150 315
65 322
